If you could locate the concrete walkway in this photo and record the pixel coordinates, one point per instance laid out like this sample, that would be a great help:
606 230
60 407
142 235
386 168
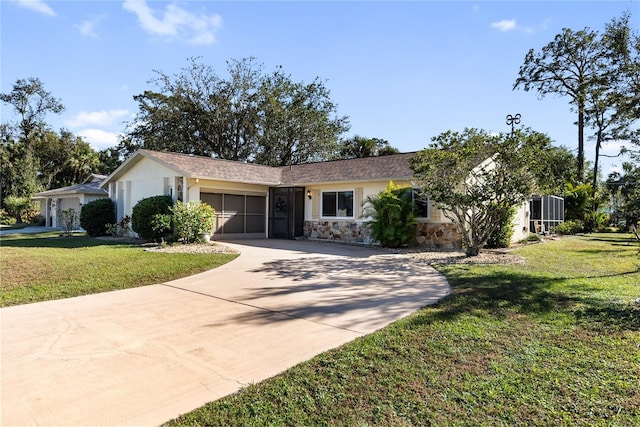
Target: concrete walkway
146 355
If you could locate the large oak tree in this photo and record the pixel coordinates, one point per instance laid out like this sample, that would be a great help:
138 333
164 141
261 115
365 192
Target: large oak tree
247 116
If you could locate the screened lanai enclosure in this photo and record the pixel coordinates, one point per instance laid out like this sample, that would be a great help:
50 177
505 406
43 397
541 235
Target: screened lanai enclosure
546 212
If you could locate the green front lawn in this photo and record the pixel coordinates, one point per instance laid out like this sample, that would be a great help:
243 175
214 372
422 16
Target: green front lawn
555 341
44 266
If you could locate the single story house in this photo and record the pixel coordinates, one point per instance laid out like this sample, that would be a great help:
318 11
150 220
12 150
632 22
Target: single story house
72 197
316 200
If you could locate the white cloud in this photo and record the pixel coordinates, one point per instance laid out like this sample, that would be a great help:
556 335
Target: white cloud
176 22
512 25
37 6
96 118
88 26
504 25
98 138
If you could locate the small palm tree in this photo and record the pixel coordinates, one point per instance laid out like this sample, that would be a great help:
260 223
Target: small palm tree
392 216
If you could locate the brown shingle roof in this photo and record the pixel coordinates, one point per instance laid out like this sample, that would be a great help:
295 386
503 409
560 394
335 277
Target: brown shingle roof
209 168
391 167
382 168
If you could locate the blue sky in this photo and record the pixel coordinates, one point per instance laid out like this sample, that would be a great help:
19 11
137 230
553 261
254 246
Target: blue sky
402 71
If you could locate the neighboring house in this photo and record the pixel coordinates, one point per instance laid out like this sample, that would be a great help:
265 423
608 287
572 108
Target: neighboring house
72 197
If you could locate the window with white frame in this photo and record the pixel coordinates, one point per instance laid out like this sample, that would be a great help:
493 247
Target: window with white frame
337 204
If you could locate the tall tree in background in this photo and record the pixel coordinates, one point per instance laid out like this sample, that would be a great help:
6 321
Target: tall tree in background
34 157
574 64
32 103
297 121
610 105
250 116
358 147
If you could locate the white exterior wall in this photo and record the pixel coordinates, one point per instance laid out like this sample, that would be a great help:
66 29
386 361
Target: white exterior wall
145 179
521 223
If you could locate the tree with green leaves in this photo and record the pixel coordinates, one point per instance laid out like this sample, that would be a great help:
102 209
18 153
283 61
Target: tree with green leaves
32 103
476 178
359 146
625 185
298 121
249 116
584 66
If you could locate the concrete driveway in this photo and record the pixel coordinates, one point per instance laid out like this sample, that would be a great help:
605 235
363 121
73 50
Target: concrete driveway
146 355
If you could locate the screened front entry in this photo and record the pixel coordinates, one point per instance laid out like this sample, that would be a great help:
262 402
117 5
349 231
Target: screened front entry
237 215
286 218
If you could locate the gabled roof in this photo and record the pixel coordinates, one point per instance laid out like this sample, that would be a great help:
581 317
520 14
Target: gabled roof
203 167
381 168
94 177
90 186
391 167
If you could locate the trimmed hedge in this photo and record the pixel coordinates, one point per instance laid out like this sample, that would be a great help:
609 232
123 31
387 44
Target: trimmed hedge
143 212
96 215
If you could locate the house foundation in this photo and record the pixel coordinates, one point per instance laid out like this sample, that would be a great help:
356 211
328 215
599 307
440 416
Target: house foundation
429 235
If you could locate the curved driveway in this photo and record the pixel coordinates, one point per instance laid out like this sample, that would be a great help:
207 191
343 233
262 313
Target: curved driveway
143 356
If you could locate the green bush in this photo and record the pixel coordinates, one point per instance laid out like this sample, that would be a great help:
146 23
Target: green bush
569 227
143 213
193 219
392 212
19 208
501 237
96 215
161 225
6 218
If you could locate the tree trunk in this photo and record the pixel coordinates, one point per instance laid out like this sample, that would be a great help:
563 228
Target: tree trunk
580 175
472 250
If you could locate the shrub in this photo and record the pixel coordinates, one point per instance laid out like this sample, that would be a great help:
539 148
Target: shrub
69 219
161 225
96 215
393 222
144 210
121 228
18 207
193 219
532 237
6 218
569 227
501 237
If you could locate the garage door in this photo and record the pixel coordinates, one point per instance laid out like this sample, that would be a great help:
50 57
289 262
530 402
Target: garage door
238 215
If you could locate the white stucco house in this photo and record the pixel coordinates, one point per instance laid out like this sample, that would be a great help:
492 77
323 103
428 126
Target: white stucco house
72 197
316 200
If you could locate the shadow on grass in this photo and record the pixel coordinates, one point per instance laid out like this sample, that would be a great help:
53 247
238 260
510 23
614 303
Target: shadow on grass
503 292
49 241
625 239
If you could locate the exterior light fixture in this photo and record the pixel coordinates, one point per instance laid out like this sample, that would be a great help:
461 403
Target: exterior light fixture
309 194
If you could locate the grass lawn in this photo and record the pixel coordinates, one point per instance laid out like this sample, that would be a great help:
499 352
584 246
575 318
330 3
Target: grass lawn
553 342
40 267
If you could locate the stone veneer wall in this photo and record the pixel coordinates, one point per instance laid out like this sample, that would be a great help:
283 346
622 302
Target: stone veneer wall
428 234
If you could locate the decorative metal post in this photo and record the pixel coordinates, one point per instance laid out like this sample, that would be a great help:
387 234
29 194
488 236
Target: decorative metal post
513 120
